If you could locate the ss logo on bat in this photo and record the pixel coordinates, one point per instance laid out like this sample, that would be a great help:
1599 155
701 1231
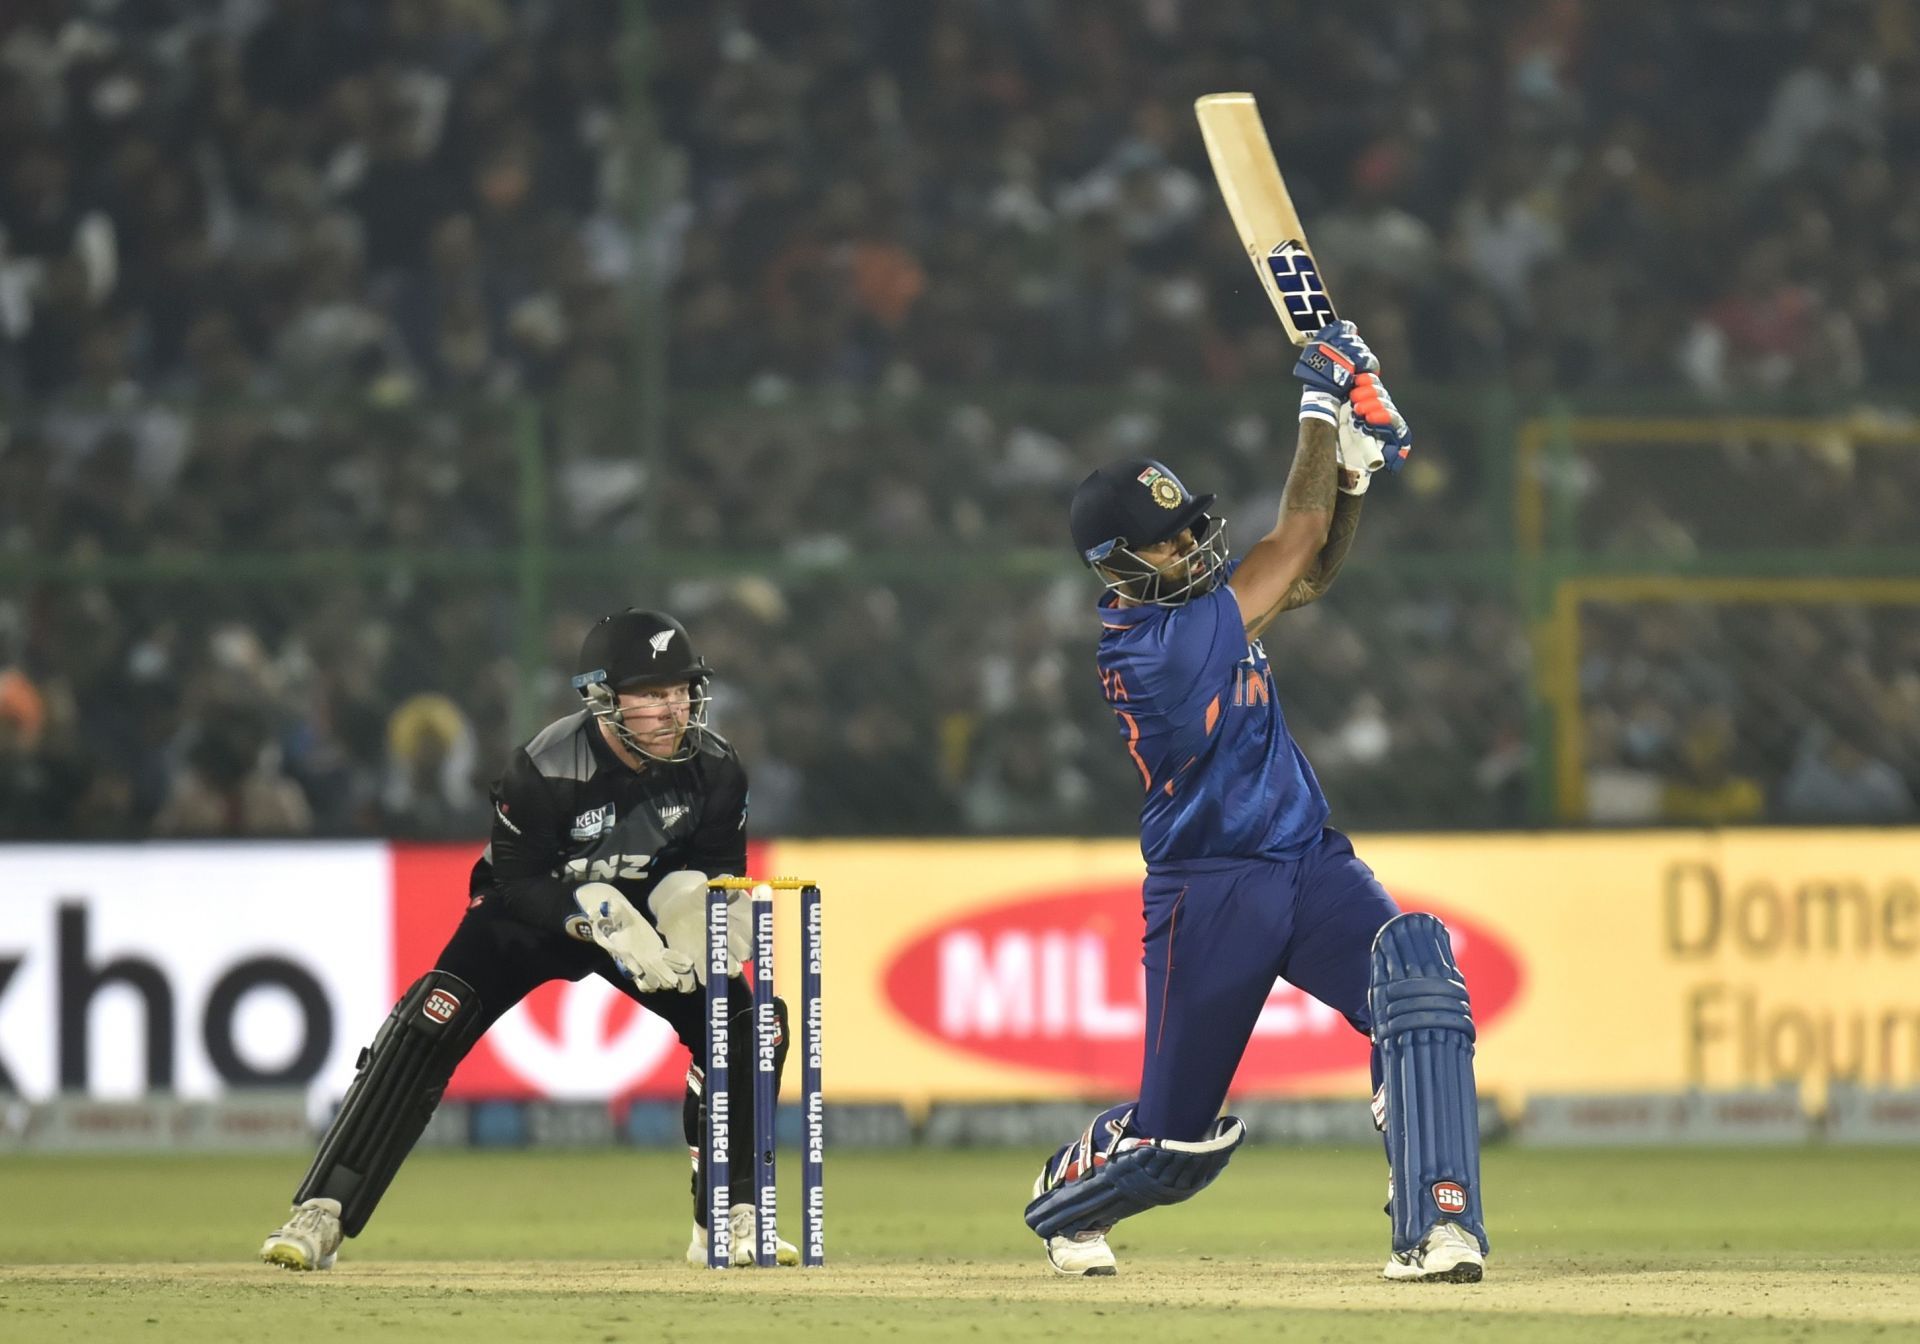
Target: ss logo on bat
1298 280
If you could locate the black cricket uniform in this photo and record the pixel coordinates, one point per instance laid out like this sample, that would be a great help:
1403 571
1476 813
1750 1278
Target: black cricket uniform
567 811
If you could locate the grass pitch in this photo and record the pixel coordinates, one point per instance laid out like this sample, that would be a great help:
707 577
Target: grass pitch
1793 1244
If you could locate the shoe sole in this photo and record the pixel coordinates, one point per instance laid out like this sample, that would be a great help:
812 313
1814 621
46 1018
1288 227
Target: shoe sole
1467 1271
787 1259
1095 1272
286 1255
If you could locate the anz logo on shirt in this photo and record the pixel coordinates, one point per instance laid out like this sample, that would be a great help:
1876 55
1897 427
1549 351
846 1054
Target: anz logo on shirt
1252 681
631 866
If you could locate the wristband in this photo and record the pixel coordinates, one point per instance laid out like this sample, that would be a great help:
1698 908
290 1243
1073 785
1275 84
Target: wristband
1318 405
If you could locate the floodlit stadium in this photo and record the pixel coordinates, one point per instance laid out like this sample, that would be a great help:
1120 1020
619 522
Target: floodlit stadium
1186 740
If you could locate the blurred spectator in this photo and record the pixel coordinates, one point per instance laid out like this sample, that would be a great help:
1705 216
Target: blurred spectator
23 708
394 196
247 196
1024 780
1704 788
431 760
1833 780
232 784
777 787
278 281
874 777
1820 107
32 783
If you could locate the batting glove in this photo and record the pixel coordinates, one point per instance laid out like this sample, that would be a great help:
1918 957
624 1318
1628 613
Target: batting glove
1333 359
634 944
1358 453
1375 414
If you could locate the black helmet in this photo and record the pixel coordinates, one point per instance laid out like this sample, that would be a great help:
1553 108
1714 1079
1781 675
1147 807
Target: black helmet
635 648
1139 502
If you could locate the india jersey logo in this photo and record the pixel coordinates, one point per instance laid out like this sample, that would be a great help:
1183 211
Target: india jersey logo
1252 684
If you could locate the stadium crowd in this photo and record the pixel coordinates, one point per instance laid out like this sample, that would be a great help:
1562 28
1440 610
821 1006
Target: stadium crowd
275 279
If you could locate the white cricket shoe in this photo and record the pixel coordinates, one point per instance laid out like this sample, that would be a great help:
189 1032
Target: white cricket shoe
1085 1255
1447 1254
309 1239
743 1223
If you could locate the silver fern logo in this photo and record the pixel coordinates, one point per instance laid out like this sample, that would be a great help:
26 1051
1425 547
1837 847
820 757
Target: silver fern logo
660 642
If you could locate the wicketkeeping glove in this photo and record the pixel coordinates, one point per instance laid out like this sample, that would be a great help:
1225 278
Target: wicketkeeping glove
679 905
1376 415
633 943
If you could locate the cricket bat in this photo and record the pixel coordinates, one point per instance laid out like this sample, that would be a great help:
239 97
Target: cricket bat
1263 212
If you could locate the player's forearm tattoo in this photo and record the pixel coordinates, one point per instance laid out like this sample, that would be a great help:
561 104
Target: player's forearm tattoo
1316 470
1314 584
1312 488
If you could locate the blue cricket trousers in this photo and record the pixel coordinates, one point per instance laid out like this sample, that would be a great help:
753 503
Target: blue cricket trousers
1219 932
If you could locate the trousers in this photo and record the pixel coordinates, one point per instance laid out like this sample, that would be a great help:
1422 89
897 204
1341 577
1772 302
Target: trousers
1218 934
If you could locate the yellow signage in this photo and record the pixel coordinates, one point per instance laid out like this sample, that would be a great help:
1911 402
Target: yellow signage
1603 962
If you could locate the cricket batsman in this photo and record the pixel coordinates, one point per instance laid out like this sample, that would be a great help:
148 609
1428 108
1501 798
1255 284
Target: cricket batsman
1246 882
605 827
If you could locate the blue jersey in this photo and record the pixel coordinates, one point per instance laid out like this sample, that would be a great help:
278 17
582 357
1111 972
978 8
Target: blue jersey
1195 704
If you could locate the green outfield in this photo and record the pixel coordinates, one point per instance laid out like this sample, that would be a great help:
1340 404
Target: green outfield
1695 1246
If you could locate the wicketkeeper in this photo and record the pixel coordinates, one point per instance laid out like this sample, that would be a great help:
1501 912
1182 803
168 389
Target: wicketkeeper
606 826
1246 882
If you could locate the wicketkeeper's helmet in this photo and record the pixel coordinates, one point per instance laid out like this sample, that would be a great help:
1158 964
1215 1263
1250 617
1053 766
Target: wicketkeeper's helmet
635 648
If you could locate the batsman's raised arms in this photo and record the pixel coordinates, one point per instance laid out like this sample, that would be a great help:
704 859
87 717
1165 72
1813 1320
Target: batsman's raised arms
1262 210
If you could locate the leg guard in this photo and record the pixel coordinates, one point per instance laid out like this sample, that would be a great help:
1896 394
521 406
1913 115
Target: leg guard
401 1077
1423 1028
742 1177
1108 1174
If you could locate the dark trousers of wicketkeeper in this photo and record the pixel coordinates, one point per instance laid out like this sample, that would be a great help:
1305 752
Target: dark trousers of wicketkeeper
505 960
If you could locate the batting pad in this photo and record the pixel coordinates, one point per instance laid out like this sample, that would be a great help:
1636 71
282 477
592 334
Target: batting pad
1423 1026
400 1080
1135 1175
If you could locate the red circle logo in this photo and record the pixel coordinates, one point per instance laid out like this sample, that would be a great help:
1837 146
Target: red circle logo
1053 980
